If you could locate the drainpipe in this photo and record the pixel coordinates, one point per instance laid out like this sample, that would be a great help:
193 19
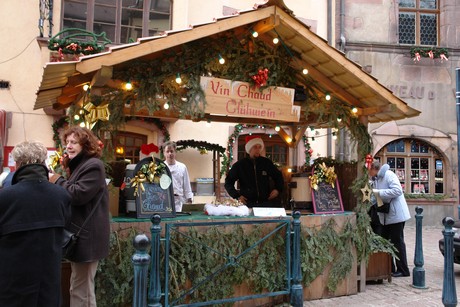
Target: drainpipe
329 40
457 102
342 48
50 18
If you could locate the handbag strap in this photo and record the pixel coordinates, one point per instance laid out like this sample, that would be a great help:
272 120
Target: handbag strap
90 215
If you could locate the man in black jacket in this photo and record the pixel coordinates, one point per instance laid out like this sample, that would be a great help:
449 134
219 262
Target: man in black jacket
254 174
33 213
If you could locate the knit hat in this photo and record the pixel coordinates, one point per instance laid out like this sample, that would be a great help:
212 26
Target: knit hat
252 140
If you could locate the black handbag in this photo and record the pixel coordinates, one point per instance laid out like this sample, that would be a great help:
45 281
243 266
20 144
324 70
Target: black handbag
385 208
70 239
69 242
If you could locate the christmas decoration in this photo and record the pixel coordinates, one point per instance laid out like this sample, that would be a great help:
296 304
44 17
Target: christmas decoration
323 173
366 193
75 41
148 173
147 149
426 52
369 160
260 78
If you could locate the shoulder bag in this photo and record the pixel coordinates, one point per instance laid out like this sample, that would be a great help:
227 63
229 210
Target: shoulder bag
70 239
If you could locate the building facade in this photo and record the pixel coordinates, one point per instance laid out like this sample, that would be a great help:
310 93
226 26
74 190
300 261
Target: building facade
411 46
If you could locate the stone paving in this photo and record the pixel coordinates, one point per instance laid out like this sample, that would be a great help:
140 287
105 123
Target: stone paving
400 291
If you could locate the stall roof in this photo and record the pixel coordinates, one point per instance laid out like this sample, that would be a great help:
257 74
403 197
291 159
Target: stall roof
61 83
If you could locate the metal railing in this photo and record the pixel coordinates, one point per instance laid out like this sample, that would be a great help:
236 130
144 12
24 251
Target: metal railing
287 227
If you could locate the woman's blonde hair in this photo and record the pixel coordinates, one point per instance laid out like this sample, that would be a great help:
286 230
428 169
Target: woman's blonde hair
29 152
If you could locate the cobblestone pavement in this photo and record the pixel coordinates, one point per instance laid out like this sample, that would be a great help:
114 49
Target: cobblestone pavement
400 291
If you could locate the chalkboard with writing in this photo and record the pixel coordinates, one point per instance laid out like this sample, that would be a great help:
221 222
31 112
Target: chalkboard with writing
156 197
327 199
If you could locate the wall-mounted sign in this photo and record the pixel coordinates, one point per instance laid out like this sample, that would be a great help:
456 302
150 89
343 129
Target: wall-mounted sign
241 99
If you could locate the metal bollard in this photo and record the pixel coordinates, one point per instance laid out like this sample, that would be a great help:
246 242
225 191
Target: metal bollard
449 294
140 260
296 288
154 295
418 273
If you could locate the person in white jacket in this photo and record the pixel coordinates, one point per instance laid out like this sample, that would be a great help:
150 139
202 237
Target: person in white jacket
388 187
181 181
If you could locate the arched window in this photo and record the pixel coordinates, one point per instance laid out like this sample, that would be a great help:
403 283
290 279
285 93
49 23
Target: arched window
419 166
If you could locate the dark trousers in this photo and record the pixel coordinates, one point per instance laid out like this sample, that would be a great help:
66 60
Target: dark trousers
395 234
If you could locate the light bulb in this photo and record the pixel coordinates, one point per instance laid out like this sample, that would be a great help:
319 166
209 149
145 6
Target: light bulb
277 128
328 97
208 123
255 34
221 59
305 71
86 87
76 117
178 79
288 139
128 86
354 110
82 124
276 40
339 119
166 106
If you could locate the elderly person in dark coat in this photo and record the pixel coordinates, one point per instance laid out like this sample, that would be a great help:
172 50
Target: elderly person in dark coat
33 214
87 186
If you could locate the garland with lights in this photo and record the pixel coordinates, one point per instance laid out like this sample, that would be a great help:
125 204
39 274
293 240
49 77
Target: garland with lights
202 146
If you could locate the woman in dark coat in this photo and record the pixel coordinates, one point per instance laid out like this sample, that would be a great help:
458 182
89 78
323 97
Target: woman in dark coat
87 186
33 213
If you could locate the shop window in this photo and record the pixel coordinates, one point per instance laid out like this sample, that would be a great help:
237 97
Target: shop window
123 21
419 166
128 146
275 149
418 22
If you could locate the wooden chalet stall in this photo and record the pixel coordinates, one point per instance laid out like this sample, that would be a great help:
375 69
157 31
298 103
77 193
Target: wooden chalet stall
303 69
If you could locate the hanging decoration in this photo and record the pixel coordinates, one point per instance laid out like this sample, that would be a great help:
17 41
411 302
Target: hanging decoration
76 41
368 161
148 173
308 150
367 192
260 79
95 113
429 52
323 173
147 149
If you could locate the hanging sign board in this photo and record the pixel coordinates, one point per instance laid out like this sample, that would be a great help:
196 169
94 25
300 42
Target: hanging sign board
241 99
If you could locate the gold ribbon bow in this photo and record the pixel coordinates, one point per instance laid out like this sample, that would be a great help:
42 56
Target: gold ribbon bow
100 112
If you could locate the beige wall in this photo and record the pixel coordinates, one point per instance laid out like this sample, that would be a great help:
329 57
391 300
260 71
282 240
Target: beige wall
21 62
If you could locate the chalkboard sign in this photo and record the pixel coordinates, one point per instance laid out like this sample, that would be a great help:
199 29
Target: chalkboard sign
327 199
156 197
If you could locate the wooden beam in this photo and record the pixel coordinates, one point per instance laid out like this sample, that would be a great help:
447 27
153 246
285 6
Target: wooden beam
102 76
